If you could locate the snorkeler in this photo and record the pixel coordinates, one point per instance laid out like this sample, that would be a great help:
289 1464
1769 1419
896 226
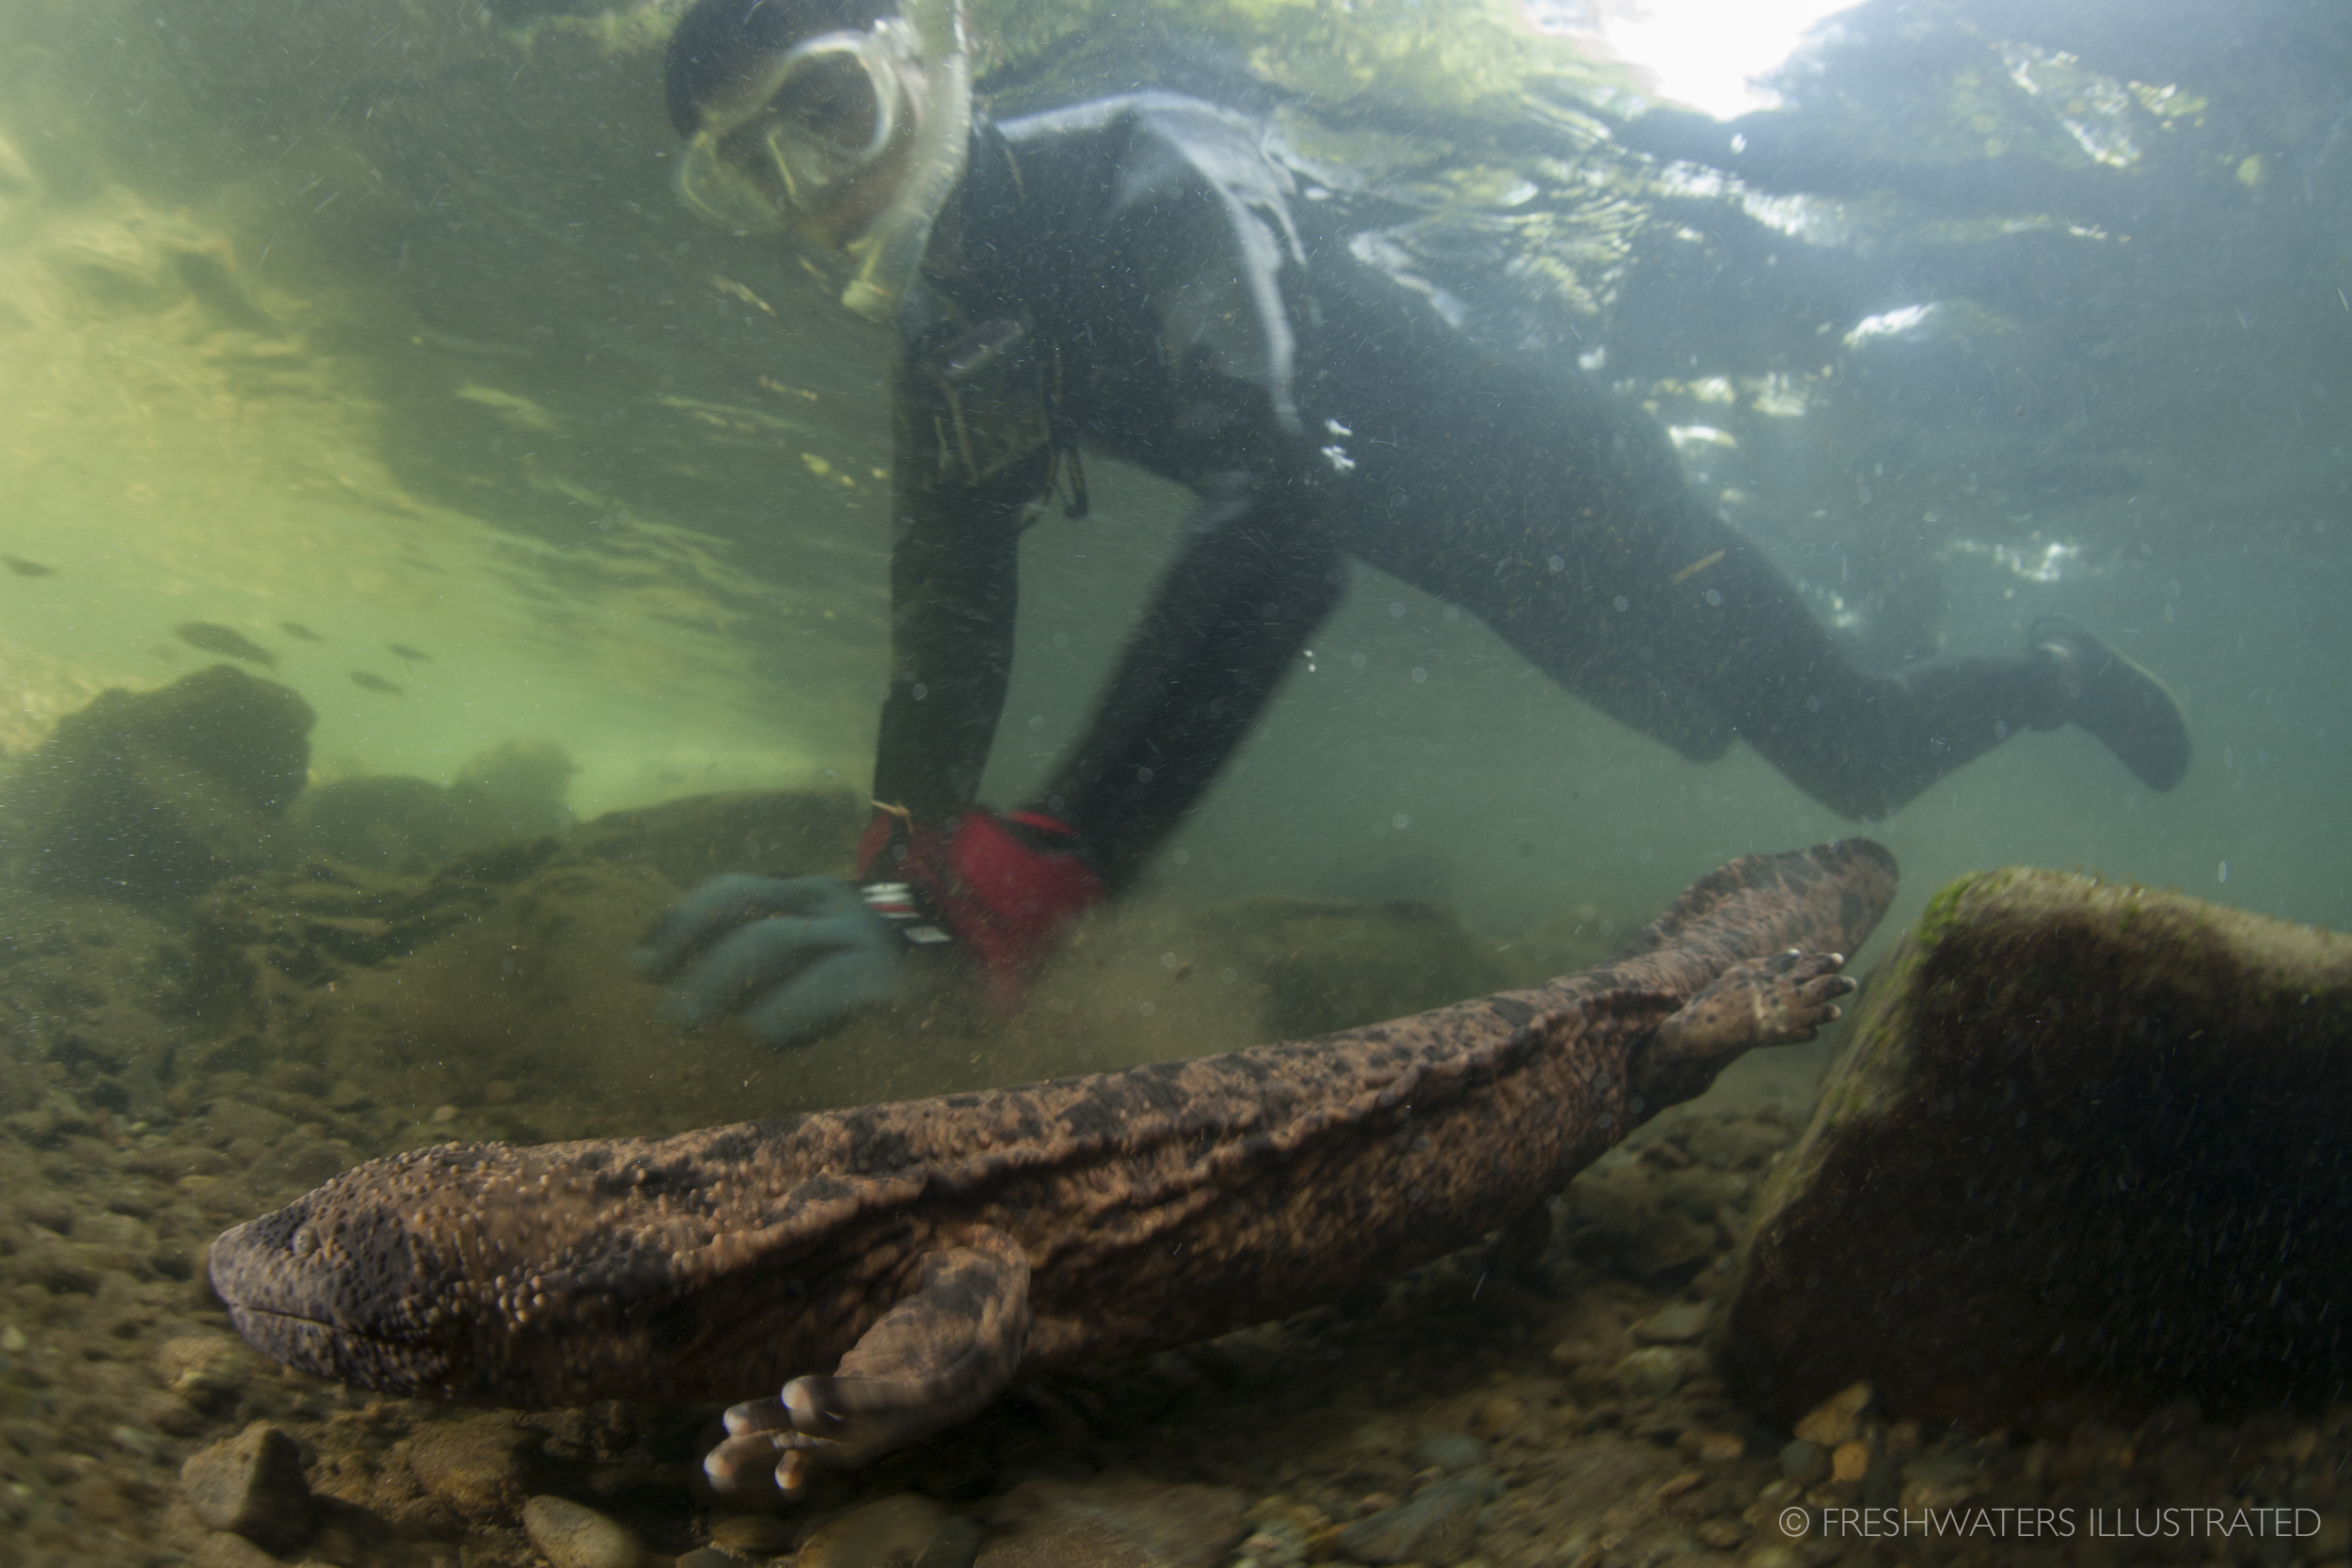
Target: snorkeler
1135 277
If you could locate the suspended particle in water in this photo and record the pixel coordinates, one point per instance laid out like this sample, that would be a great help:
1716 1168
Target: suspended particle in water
1400 821
2225 871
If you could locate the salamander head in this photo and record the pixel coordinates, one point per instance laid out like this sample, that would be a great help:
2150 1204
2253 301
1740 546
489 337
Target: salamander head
460 1270
337 1289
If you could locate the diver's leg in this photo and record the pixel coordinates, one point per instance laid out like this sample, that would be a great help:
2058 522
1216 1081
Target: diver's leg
1726 627
1734 633
1236 605
1708 617
1588 552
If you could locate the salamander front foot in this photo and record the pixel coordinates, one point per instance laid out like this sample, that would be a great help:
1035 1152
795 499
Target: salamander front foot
942 1352
1778 1000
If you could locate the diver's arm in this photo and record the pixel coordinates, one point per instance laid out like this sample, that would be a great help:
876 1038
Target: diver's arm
794 955
941 870
954 589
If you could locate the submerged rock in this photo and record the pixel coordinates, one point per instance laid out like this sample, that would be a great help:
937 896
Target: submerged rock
890 1531
1114 1522
156 796
574 1536
252 1485
1436 1526
2086 1154
514 790
782 831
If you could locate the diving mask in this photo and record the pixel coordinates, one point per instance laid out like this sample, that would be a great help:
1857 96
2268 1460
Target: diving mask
786 145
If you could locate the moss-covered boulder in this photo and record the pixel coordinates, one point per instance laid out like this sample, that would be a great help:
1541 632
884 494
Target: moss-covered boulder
2086 1153
390 822
156 796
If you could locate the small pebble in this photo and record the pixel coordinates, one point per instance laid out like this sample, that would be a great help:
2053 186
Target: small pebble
12 1340
1722 1448
1435 1528
444 1113
1653 1372
1679 1324
202 1367
956 1545
752 1533
705 1556
1450 1452
897 1526
251 1484
576 1537
137 1440
1833 1420
1804 1462
1850 1461
1502 1413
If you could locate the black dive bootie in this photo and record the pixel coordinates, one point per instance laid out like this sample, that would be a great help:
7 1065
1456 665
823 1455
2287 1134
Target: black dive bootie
2122 704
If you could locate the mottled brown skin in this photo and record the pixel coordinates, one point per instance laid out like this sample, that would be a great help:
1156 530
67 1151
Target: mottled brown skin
1142 1209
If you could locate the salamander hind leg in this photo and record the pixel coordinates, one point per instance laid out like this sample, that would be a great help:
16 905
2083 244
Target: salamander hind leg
940 1354
1779 1000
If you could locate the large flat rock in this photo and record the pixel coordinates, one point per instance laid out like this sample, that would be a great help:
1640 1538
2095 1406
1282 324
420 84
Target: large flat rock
2086 1153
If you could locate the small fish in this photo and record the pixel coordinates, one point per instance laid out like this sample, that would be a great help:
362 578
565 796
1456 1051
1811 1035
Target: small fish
296 629
373 683
24 568
222 641
402 650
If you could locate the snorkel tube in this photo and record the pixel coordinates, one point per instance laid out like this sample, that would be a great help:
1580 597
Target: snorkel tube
890 250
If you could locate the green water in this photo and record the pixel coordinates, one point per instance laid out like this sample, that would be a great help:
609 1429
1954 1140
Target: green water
384 321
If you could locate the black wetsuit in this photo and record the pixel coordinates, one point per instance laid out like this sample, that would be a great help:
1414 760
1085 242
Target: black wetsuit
1135 277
